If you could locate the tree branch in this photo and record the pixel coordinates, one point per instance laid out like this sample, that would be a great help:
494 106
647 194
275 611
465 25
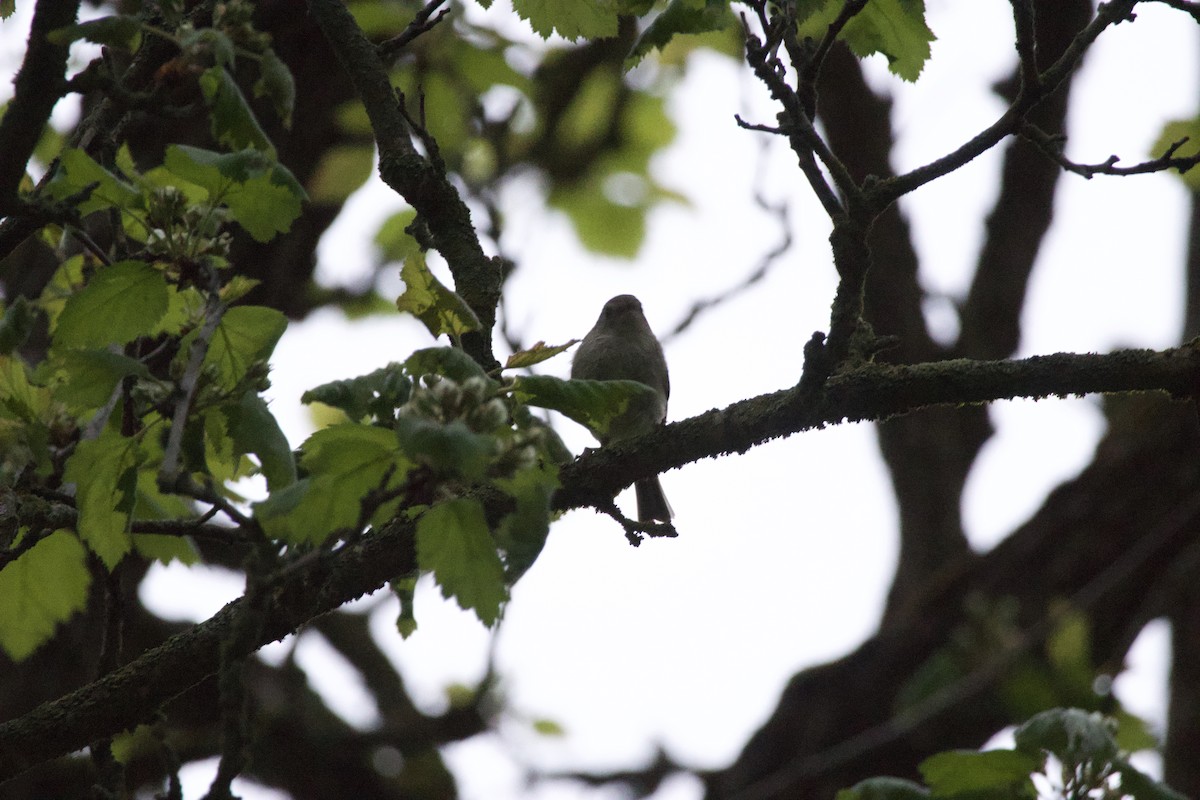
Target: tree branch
135 692
415 178
1108 14
38 86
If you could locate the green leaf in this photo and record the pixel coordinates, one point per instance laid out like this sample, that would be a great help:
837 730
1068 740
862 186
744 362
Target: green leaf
602 226
454 544
122 31
25 411
90 376
884 789
393 240
1072 735
405 591
522 533
44 587
449 361
1001 773
139 742
1173 132
245 335
1133 732
438 308
342 170
343 462
1140 786
593 404
448 449
104 471
7 8
570 19
681 17
210 41
254 429
64 284
233 123
548 727
16 325
275 82
540 352
262 196
120 303
376 395
165 549
77 172
894 28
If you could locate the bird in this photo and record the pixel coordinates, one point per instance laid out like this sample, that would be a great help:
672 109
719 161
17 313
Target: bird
621 346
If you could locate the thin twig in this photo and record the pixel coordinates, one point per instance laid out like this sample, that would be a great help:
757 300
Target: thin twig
884 193
1052 146
420 24
1186 6
170 472
1024 19
813 66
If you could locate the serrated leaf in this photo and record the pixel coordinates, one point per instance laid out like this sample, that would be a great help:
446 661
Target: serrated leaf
894 28
44 587
254 429
999 772
438 308
215 42
376 395
245 335
344 463
120 303
884 788
593 404
681 17
90 376
25 410
448 361
128 745
164 548
1071 734
122 31
233 123
570 19
448 449
454 544
7 8
77 172
522 533
262 195
104 471
275 82
537 354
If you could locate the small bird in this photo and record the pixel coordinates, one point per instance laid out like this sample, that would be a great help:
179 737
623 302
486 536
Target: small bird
621 346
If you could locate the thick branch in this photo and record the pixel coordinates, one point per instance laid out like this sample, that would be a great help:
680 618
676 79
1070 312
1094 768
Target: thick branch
416 178
38 86
135 692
